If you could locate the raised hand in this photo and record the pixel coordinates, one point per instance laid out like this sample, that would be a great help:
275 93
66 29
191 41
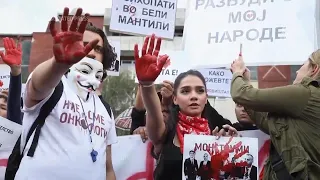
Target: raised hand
166 92
68 46
149 65
13 53
238 65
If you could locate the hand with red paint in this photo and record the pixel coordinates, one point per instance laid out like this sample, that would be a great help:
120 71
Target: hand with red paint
149 65
68 45
12 55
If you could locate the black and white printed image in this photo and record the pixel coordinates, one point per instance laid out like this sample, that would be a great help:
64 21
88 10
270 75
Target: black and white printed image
114 70
225 159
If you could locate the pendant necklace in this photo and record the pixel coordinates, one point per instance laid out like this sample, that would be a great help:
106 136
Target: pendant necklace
85 125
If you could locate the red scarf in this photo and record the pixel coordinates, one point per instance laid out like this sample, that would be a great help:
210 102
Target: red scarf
191 125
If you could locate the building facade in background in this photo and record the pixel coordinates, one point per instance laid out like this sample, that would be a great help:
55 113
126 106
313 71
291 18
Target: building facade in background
37 47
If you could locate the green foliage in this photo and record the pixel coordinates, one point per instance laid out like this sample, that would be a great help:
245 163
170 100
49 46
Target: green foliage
120 92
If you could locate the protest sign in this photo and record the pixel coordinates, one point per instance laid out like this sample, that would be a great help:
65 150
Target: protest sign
114 70
144 17
271 33
263 144
227 157
132 159
4 77
178 63
218 81
9 134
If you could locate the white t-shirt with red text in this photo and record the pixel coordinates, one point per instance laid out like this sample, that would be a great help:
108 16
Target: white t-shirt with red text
64 147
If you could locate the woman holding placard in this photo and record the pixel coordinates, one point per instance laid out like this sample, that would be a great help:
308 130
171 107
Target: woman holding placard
186 116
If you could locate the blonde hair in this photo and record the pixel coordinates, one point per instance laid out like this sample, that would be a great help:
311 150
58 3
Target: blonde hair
314 60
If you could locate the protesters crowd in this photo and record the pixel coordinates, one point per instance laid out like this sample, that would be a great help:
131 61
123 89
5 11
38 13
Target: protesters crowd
68 86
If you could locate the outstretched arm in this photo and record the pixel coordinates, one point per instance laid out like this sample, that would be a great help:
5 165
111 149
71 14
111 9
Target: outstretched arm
14 97
290 99
68 49
148 68
13 57
44 79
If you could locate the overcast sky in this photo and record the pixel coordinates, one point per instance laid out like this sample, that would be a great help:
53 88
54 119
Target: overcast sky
27 16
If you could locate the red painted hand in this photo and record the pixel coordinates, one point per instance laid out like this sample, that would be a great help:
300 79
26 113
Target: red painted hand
149 65
13 52
68 45
1 83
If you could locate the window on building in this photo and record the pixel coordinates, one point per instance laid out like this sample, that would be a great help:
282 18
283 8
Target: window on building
26 50
253 72
127 61
119 34
294 69
178 32
109 33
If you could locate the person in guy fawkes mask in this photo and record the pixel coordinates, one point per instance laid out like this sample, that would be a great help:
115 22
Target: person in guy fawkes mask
76 138
85 77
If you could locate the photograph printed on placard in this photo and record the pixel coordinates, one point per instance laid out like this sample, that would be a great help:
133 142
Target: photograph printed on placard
229 158
114 69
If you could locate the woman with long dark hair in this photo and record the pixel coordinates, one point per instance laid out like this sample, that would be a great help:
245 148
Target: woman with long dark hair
186 114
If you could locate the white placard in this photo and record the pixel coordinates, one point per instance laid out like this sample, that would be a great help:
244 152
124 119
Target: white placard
114 70
218 81
272 32
225 158
131 158
9 134
144 17
178 64
264 146
4 77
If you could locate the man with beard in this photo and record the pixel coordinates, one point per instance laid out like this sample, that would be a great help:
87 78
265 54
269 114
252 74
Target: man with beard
75 140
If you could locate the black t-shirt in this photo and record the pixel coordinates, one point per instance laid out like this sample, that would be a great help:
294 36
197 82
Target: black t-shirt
138 119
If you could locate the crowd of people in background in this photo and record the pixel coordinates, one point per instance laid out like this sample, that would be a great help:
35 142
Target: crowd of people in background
71 82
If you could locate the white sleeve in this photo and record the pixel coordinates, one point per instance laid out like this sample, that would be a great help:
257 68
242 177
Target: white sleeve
112 136
36 107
